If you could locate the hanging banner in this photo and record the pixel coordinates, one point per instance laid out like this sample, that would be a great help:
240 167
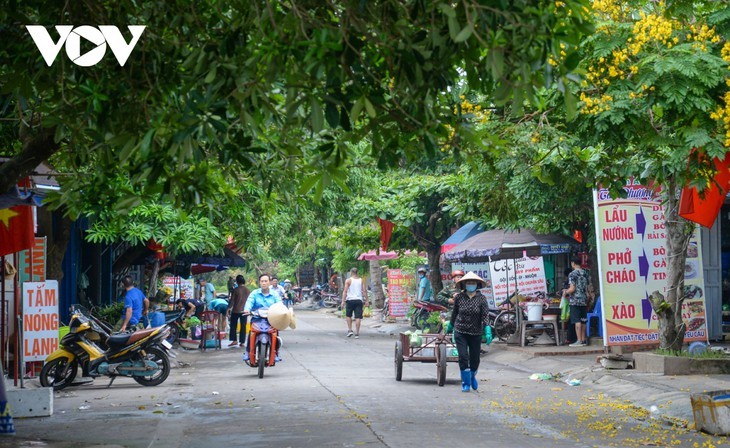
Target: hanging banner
34 258
483 271
632 262
398 285
40 319
181 288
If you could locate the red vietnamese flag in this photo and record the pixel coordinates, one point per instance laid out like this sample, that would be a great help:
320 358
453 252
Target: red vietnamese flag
704 210
16 229
386 230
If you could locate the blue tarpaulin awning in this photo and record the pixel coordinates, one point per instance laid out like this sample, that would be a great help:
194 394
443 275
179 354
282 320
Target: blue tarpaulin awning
465 232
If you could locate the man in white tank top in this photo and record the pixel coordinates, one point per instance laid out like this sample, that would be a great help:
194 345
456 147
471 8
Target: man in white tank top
354 298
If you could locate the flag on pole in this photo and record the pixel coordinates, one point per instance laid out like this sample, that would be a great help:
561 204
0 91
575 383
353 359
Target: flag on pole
386 230
703 209
16 229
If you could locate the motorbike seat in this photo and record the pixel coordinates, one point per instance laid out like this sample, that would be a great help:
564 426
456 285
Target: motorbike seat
437 307
429 305
120 340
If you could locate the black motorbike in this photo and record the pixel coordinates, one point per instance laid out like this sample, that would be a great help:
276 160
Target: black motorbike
142 355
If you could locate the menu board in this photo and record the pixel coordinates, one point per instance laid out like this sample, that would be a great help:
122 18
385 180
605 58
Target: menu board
632 261
398 284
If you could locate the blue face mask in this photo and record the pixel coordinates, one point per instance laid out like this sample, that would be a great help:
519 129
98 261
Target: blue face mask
471 288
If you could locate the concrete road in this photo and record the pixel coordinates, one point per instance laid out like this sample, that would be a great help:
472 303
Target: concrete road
331 390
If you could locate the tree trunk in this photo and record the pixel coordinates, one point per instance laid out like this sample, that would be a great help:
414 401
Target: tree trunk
427 239
37 148
434 255
375 280
669 310
57 245
152 290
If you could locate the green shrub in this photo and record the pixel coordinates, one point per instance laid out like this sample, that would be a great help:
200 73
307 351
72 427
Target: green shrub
111 313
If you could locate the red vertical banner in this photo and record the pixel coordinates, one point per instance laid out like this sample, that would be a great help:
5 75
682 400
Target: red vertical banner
16 229
398 283
32 266
386 230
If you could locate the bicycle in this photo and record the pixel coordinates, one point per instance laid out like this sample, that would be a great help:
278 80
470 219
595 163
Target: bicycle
505 323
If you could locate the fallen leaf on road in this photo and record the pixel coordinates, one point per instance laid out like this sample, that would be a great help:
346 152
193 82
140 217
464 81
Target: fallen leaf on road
158 412
141 407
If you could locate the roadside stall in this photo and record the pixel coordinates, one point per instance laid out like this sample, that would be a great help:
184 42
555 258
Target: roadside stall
523 247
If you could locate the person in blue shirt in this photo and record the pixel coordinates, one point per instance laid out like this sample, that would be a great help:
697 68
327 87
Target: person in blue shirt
260 298
424 286
136 304
207 291
220 305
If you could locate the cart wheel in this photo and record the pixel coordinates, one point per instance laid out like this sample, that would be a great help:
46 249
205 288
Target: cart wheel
398 360
441 365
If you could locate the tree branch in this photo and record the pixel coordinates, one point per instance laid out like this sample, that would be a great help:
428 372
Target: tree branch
36 149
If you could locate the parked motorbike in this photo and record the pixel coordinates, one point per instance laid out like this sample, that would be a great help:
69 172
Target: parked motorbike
300 294
142 355
263 343
422 311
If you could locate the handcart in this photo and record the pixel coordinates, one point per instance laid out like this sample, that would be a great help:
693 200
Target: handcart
434 348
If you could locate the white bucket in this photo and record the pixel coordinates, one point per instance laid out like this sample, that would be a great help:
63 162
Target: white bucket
534 311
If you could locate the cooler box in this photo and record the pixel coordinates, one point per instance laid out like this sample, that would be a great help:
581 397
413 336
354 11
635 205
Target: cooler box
157 319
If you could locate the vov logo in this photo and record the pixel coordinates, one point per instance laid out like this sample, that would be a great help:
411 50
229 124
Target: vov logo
105 34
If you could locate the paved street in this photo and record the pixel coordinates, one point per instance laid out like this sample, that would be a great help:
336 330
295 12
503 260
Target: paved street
335 391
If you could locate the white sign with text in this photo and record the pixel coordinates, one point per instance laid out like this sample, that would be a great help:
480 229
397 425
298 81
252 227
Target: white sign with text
40 319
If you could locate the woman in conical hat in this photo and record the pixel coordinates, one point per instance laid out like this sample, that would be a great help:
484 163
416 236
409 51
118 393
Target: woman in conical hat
469 321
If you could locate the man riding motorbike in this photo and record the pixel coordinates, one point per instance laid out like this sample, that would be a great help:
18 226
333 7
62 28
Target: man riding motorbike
262 297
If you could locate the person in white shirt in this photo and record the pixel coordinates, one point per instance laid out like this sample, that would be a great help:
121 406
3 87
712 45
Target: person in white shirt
354 298
277 289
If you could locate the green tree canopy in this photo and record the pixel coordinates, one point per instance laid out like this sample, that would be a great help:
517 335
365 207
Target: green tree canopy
656 79
217 83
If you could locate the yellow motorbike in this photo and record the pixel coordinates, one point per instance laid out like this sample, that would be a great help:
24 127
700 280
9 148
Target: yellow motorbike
142 355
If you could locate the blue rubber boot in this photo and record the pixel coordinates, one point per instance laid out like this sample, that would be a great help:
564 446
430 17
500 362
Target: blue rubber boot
465 380
474 382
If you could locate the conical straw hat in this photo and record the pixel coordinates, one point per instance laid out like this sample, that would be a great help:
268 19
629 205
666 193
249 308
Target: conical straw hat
279 316
472 276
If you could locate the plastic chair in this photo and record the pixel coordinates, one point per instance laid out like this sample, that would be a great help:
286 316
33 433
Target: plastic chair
597 313
210 323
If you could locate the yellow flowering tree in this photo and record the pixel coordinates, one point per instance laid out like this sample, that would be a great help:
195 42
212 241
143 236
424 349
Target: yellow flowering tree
656 91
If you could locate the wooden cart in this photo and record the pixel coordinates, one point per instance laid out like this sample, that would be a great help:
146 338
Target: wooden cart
435 348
